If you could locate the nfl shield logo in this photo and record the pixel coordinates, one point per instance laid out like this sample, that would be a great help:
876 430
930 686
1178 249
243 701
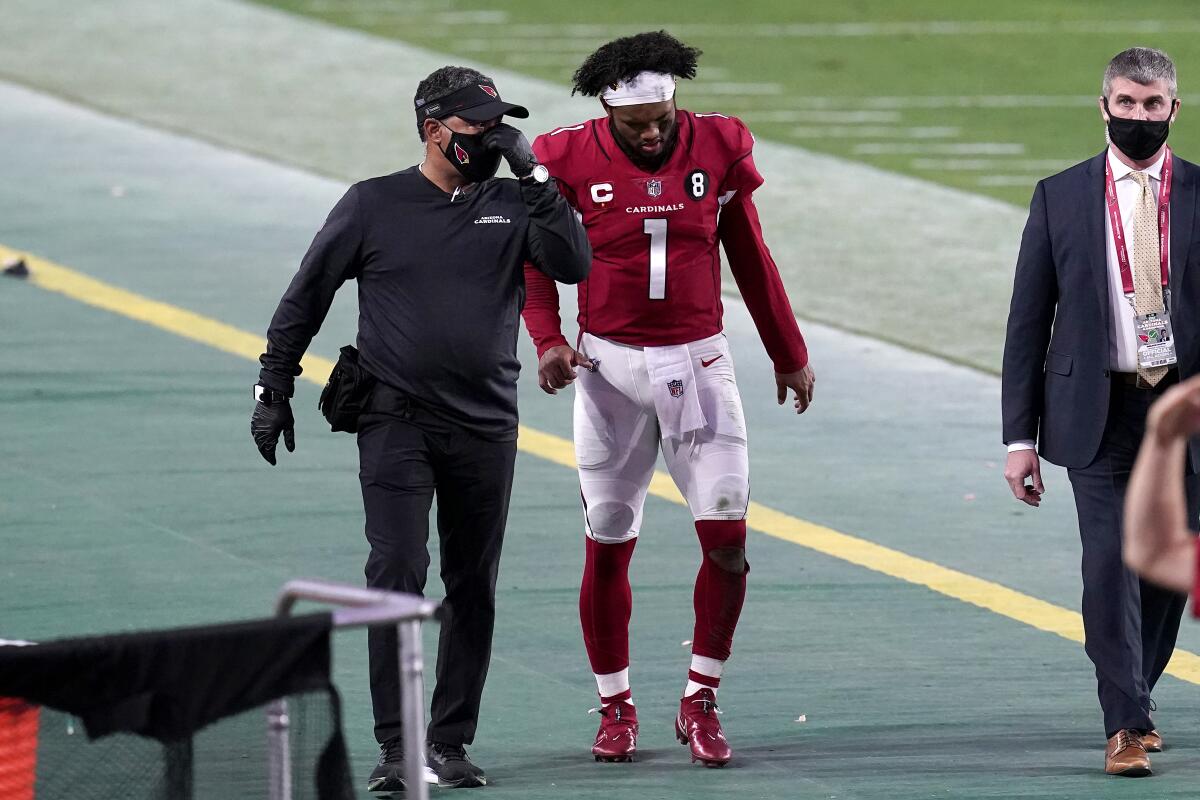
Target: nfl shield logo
654 187
675 388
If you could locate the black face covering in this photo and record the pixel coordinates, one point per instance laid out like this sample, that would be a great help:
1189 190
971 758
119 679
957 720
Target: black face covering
468 155
1138 138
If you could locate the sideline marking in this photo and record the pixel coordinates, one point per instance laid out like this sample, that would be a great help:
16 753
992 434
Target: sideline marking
751 115
976 591
874 132
939 149
1009 179
903 102
1044 165
823 30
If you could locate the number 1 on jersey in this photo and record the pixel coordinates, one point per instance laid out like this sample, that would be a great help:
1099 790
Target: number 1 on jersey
656 229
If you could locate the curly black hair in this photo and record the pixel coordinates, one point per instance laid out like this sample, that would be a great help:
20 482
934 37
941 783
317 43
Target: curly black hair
621 59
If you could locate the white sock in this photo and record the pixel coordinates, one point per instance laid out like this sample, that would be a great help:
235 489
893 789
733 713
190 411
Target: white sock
709 667
613 683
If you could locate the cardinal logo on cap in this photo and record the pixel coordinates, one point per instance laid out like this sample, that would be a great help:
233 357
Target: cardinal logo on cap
490 90
461 154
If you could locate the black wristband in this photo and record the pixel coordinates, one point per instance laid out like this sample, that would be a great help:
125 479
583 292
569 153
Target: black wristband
268 397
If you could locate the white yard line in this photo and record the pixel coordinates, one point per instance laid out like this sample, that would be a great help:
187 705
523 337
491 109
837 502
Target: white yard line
1047 166
1009 180
734 88
827 117
939 148
393 7
903 102
505 46
866 29
471 17
874 132
536 59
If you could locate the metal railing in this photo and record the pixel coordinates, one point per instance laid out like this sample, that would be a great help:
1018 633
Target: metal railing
359 608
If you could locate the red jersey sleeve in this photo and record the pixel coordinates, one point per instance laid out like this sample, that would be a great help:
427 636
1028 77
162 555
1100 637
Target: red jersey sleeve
541 315
761 287
541 310
743 177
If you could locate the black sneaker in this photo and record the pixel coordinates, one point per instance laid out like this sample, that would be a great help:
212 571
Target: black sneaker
388 775
452 766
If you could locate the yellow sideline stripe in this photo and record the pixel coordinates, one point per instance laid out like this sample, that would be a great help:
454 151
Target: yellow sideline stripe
861 552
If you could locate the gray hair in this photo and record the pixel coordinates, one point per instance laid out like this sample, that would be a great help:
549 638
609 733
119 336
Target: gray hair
1143 65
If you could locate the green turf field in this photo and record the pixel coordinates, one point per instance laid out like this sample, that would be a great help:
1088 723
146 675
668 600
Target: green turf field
987 97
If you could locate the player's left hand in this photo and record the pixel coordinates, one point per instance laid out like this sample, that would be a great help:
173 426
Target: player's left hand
268 422
512 144
799 382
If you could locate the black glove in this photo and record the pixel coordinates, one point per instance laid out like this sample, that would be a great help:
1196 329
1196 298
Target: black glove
272 416
512 144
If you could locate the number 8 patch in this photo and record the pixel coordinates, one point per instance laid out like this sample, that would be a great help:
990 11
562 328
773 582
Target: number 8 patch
696 184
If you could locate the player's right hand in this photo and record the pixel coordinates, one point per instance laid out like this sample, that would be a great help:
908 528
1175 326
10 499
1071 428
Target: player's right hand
267 422
1024 464
556 367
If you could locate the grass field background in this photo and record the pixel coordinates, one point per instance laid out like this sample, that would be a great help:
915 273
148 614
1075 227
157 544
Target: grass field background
987 97
878 241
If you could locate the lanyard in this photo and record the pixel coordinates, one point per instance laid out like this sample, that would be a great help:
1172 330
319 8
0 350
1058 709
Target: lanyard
1164 222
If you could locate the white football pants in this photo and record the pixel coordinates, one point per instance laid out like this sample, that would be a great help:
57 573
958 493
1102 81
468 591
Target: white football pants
618 411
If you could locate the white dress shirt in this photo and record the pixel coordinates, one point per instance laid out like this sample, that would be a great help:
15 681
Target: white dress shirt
1122 354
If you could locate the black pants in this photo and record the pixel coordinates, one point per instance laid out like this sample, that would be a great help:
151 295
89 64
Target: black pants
406 456
1129 625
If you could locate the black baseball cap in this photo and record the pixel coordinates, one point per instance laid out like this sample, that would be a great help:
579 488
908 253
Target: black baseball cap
475 102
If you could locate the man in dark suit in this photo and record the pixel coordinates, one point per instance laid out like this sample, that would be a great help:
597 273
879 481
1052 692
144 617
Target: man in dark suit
1102 322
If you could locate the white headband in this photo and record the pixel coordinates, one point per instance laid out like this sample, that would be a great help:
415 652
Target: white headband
645 87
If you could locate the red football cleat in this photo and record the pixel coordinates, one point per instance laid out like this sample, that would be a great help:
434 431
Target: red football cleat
697 726
617 738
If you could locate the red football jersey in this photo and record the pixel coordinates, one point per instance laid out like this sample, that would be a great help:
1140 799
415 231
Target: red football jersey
656 264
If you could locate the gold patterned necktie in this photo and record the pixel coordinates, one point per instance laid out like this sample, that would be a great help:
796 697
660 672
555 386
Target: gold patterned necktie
1147 267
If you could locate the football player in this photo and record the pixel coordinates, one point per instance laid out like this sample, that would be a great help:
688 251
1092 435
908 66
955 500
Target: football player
659 189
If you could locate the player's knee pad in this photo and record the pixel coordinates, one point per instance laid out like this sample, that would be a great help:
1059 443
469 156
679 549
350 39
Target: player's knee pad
724 543
611 522
729 559
725 498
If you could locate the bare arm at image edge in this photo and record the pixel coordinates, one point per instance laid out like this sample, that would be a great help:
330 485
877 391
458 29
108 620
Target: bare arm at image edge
1158 543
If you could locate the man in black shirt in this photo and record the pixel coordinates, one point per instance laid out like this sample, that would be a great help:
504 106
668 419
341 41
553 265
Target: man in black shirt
438 252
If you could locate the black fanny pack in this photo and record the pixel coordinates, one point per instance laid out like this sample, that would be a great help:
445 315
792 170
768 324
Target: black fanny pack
347 392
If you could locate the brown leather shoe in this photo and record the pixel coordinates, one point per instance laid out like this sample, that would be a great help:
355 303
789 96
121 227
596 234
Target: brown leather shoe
1126 755
1152 741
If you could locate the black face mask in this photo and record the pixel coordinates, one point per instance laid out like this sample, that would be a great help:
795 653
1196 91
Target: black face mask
1138 138
468 155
